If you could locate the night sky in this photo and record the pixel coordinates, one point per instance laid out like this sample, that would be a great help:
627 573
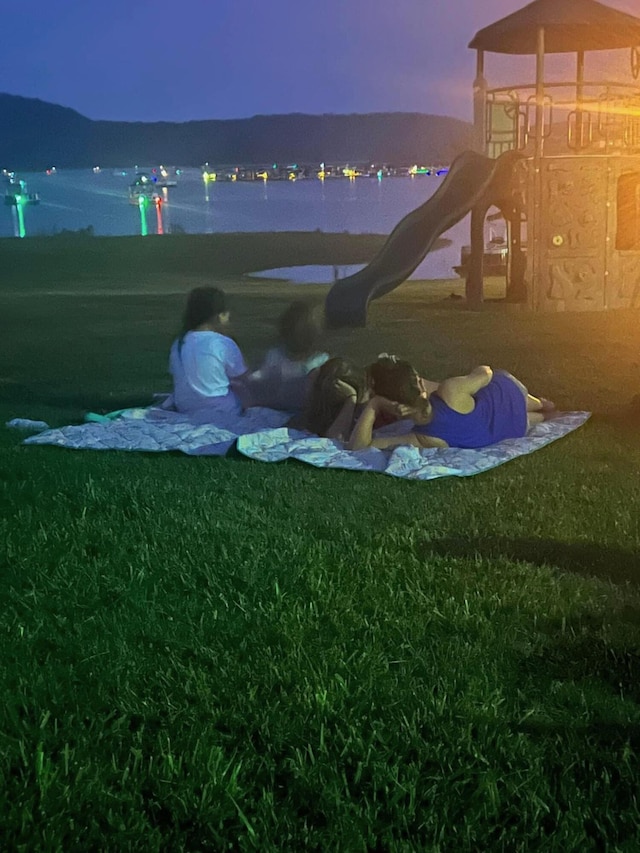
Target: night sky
136 60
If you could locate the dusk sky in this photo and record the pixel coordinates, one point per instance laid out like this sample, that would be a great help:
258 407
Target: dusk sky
137 60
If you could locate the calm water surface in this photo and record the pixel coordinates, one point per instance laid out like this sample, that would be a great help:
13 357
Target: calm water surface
75 199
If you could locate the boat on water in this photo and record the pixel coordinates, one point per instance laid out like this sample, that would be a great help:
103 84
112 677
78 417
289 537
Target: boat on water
17 194
17 197
142 187
161 177
149 182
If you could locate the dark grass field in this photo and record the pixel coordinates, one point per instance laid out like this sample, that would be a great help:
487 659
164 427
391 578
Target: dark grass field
210 654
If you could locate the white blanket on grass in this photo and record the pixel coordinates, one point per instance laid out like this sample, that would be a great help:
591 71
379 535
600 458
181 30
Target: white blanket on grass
261 434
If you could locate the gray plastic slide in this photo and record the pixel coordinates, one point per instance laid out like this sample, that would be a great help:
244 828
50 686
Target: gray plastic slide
471 179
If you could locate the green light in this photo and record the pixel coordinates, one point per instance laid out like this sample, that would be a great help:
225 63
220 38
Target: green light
142 204
21 229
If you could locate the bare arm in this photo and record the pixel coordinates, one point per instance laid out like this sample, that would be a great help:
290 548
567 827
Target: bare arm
341 426
458 391
362 435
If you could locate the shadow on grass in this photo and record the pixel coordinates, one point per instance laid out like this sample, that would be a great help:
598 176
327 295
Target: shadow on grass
602 735
578 657
589 559
575 650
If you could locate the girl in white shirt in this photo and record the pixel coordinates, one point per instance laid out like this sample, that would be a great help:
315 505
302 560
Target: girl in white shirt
204 360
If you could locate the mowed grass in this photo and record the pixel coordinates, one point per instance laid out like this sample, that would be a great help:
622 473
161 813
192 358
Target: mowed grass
210 654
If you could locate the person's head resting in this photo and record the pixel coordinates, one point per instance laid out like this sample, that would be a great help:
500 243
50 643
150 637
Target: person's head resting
206 310
299 329
399 381
330 390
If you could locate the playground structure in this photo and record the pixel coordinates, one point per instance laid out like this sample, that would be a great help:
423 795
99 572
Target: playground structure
473 181
573 232
566 176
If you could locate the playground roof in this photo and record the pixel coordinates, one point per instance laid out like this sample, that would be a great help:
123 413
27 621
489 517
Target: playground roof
569 26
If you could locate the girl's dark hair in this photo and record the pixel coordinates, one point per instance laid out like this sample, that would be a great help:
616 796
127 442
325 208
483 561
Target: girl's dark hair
325 399
397 380
203 304
299 329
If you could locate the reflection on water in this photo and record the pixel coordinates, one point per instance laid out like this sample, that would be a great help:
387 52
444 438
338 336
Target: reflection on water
317 274
72 200
309 274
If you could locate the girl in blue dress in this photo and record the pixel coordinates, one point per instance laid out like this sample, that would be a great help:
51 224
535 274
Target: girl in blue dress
471 411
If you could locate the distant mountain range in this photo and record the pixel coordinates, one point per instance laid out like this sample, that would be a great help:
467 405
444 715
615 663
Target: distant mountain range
37 135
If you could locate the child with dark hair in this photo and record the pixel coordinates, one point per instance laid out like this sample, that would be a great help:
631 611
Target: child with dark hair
204 359
397 380
471 411
299 329
338 389
283 380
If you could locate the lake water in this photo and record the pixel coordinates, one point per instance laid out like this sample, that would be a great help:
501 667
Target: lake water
75 199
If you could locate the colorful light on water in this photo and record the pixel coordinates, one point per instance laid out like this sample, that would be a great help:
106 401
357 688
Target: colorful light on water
158 203
20 202
143 203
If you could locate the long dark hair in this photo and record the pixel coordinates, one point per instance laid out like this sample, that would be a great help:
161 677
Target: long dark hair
203 304
299 329
325 399
397 380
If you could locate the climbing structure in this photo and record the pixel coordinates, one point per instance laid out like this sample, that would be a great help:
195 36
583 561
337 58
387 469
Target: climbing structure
574 232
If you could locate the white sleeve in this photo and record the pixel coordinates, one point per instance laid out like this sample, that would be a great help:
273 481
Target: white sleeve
233 361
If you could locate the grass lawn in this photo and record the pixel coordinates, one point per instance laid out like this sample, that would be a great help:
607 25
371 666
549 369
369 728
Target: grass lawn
209 654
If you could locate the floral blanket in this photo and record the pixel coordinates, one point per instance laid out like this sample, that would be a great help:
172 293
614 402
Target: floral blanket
261 434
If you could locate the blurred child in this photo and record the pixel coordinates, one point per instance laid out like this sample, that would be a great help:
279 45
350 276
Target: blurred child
286 374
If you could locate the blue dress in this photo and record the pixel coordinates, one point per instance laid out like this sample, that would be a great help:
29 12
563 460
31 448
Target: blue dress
500 412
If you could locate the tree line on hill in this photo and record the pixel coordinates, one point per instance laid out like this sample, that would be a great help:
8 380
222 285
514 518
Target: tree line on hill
37 135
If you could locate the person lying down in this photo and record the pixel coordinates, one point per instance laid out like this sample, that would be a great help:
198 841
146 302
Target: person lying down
484 407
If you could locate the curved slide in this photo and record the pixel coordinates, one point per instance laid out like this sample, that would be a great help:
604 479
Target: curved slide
472 178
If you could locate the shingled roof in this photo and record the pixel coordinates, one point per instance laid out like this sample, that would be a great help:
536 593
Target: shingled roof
569 26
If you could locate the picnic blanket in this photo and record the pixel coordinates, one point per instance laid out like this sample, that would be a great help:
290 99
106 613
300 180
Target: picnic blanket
261 434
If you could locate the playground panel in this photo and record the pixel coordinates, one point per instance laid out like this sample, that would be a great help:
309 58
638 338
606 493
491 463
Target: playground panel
583 242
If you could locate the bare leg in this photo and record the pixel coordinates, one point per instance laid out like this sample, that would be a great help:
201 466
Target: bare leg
341 426
534 404
539 404
534 418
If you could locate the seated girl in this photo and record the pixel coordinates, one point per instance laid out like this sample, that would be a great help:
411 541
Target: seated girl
204 359
470 411
284 378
